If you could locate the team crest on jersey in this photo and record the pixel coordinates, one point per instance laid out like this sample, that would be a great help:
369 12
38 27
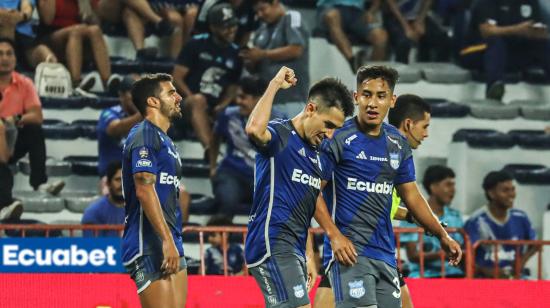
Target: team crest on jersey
139 276
394 160
143 152
356 289
299 291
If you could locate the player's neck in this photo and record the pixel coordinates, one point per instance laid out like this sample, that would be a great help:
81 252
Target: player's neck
500 213
371 130
436 206
159 120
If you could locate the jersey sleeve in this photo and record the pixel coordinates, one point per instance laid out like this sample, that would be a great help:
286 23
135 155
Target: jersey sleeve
107 116
294 29
405 171
329 155
144 159
273 146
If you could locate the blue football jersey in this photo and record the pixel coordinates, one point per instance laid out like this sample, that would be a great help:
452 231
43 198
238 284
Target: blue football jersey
109 148
287 184
149 149
361 171
482 226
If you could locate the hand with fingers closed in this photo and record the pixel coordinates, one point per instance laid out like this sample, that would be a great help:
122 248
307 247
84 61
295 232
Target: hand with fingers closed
343 249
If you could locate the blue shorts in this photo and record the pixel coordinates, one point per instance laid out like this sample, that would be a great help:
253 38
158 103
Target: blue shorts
146 270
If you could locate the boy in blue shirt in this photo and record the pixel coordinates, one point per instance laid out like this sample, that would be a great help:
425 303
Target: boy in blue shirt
498 220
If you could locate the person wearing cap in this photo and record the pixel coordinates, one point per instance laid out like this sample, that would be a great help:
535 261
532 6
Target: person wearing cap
114 124
207 71
281 40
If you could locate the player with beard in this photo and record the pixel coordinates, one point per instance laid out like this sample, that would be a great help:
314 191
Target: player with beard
152 246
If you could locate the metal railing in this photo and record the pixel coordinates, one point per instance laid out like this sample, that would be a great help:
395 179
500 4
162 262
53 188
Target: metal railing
519 244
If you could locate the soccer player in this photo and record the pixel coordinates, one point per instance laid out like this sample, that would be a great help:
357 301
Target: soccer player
152 247
365 159
287 184
411 116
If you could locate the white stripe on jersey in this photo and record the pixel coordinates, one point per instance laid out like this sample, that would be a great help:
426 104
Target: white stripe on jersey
140 253
333 220
268 218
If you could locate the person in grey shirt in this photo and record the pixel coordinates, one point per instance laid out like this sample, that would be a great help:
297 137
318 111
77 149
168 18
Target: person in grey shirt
281 40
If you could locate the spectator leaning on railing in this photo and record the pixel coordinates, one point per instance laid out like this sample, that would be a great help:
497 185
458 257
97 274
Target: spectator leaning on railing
499 221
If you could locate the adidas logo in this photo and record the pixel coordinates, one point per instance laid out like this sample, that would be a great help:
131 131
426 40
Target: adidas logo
302 152
361 155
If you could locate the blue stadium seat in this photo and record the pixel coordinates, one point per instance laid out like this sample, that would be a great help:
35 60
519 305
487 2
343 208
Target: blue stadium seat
531 139
74 102
57 129
87 128
484 138
54 167
441 108
201 205
103 102
83 165
195 168
529 174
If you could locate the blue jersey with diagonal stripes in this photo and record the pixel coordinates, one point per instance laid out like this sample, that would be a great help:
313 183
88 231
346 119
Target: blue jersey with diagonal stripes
287 183
149 149
361 171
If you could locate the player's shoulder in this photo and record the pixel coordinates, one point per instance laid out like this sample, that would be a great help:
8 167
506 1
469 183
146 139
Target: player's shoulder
478 214
347 133
393 132
143 134
517 213
231 111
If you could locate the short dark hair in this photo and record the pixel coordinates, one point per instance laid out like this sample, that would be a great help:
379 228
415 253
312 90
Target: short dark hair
387 74
8 41
253 85
436 174
112 169
493 178
408 106
148 86
332 93
256 2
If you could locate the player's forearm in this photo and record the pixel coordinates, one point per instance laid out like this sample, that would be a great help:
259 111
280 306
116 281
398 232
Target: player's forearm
323 218
214 151
309 246
284 53
121 127
424 9
256 127
148 199
488 30
420 209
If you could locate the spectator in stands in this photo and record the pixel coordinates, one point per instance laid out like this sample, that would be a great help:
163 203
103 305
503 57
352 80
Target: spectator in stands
72 36
281 40
108 209
439 183
505 35
207 71
21 110
233 179
410 23
342 18
213 258
15 24
244 12
498 220
138 18
182 15
114 124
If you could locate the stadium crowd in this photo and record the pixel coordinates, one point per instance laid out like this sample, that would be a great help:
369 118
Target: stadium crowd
223 54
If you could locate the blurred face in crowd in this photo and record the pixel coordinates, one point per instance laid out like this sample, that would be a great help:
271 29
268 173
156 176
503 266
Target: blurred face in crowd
417 131
503 194
443 191
215 239
321 122
224 34
7 59
374 99
267 12
115 187
169 101
246 102
126 102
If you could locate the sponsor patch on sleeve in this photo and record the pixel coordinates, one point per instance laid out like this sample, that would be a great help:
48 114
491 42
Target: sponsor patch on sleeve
144 163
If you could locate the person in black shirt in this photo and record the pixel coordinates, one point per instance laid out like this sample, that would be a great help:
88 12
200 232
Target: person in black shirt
208 69
248 22
506 35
